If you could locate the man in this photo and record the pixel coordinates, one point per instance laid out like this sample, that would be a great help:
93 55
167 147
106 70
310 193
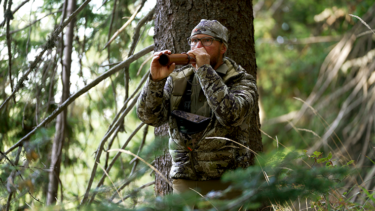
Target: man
205 104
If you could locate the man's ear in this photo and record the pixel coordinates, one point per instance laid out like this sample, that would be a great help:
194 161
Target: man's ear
223 48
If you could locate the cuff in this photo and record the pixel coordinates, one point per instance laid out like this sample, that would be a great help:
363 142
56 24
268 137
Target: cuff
156 85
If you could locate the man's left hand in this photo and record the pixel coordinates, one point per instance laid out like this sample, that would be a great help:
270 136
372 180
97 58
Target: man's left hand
201 57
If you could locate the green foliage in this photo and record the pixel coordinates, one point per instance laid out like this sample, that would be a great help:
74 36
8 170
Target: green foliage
287 68
278 178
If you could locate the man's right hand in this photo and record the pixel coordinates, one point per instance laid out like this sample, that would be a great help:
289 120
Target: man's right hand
158 71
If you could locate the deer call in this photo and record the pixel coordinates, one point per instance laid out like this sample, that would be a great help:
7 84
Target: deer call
178 59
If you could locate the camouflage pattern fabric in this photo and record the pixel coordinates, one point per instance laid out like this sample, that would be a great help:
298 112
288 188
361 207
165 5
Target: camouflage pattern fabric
231 97
213 28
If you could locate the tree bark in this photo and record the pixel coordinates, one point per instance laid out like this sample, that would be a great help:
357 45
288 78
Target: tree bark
173 24
58 142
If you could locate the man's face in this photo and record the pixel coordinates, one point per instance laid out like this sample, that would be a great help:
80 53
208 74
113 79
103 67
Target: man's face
215 50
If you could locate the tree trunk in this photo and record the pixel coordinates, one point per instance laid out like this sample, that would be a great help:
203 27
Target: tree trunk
58 142
173 24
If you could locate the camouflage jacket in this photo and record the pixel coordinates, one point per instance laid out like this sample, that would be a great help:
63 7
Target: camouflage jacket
231 96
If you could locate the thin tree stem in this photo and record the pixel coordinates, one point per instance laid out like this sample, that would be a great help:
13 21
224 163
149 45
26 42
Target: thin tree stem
9 45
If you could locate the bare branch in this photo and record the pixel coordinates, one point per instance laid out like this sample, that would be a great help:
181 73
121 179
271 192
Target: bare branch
125 25
137 29
135 160
98 153
114 127
109 55
122 109
135 92
19 6
81 92
131 51
109 179
101 181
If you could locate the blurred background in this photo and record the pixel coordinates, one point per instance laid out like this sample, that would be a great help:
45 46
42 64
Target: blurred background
316 81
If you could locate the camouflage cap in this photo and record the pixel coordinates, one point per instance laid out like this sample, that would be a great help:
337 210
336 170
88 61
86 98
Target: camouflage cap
213 28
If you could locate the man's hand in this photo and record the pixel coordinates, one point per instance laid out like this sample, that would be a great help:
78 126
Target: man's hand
159 72
201 56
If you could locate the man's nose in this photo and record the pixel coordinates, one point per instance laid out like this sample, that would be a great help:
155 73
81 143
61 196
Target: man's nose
199 44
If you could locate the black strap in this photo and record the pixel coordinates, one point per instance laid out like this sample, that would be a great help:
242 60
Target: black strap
189 58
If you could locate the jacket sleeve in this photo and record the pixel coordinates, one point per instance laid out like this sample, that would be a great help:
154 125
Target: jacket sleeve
231 105
153 102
